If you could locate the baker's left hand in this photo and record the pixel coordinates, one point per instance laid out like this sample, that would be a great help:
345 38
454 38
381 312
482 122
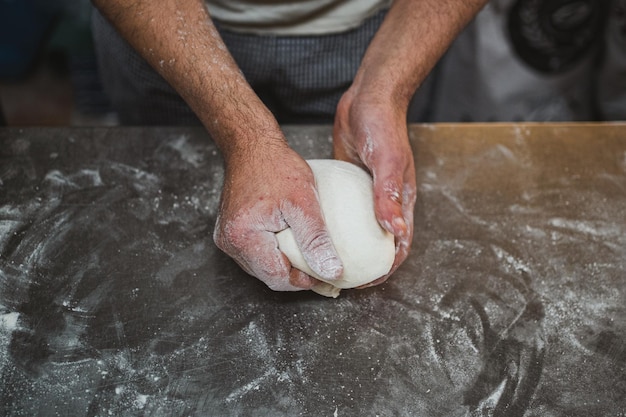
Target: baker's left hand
372 133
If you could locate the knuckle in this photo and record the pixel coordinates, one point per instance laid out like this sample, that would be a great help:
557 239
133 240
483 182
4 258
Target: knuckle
231 235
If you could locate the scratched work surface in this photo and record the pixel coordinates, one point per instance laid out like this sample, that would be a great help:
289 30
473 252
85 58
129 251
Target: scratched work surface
114 300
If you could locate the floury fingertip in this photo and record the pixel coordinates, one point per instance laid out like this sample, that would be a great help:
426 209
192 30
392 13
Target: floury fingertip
331 268
399 226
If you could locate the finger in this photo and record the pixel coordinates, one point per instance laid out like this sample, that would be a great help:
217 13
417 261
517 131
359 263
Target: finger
301 280
374 283
277 280
403 243
395 214
256 251
268 264
312 237
388 199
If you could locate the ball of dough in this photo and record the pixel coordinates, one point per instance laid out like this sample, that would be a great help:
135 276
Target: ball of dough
347 202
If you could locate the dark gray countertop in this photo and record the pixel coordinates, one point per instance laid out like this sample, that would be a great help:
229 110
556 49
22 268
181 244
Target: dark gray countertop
114 300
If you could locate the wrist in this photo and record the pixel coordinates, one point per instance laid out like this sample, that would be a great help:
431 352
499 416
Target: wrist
253 148
381 89
379 100
243 131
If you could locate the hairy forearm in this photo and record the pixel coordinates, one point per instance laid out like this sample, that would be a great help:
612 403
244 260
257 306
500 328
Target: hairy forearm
412 38
179 40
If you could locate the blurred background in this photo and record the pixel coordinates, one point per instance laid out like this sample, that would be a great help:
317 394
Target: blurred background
568 63
48 72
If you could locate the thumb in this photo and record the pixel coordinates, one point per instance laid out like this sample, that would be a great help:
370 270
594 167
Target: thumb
313 240
388 195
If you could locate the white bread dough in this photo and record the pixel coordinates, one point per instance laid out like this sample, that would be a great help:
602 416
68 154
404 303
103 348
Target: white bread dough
347 201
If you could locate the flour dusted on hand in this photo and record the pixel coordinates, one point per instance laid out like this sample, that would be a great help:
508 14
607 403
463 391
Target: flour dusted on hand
347 201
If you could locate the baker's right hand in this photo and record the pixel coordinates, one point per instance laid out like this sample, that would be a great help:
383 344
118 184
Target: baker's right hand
266 192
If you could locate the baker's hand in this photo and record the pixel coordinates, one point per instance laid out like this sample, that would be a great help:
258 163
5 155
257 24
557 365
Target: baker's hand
373 134
266 192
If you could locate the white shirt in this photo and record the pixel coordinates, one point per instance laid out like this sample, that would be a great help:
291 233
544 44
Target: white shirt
284 17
